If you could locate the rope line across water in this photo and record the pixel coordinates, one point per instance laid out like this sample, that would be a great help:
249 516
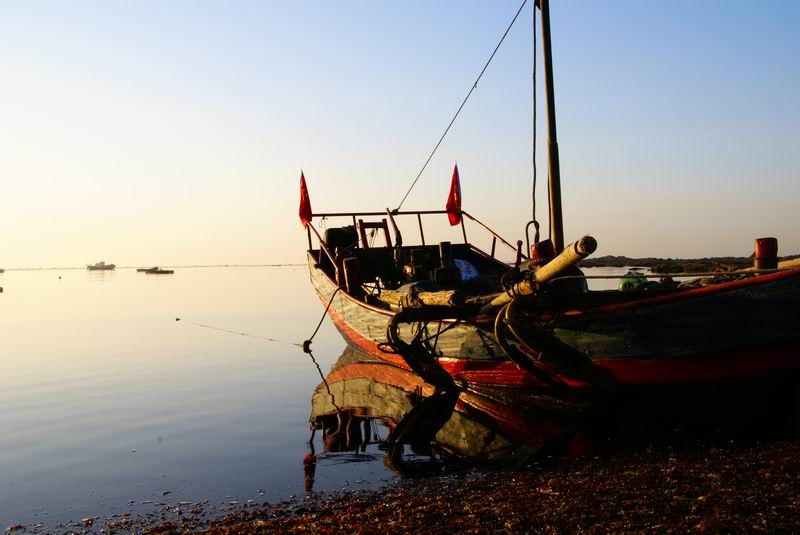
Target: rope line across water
267 338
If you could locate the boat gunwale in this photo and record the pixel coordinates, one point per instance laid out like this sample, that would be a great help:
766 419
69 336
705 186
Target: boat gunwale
690 293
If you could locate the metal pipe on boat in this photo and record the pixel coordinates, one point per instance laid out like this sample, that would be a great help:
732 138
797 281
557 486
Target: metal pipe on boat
571 255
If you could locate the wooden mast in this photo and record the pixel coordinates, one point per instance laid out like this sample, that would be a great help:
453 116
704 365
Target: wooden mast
554 175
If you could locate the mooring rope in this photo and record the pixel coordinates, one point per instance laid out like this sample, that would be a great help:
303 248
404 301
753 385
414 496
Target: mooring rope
267 338
474 85
306 345
324 381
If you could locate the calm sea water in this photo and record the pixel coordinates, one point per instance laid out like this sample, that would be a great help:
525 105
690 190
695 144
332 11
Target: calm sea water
108 404
105 398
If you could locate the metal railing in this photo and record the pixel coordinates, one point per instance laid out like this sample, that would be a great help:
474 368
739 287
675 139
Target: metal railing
411 213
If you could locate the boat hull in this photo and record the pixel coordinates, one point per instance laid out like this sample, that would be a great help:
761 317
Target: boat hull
726 332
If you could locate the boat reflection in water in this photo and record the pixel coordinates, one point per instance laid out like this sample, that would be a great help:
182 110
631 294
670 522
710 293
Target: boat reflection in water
364 401
362 394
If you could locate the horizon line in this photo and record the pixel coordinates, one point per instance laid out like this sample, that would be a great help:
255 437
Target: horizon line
148 266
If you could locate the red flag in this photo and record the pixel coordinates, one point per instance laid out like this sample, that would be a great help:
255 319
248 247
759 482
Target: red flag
305 202
454 199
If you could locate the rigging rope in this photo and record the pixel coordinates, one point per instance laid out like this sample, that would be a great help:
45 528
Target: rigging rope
446 130
533 206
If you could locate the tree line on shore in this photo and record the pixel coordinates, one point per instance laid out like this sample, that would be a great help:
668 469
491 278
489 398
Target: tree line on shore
676 265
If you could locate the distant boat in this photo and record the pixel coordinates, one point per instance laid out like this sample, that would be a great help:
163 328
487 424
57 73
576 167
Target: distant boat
157 271
145 270
100 266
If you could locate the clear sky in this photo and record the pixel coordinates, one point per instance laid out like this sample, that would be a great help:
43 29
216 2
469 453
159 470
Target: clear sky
174 132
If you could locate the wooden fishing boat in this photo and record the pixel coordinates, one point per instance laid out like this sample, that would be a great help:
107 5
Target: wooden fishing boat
455 313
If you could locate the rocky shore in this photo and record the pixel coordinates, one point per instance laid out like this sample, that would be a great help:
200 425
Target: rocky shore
731 487
747 489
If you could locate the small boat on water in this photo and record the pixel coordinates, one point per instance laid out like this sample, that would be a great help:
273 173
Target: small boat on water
455 314
100 266
143 270
157 271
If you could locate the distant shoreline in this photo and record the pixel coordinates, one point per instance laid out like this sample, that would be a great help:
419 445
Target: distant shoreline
676 265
